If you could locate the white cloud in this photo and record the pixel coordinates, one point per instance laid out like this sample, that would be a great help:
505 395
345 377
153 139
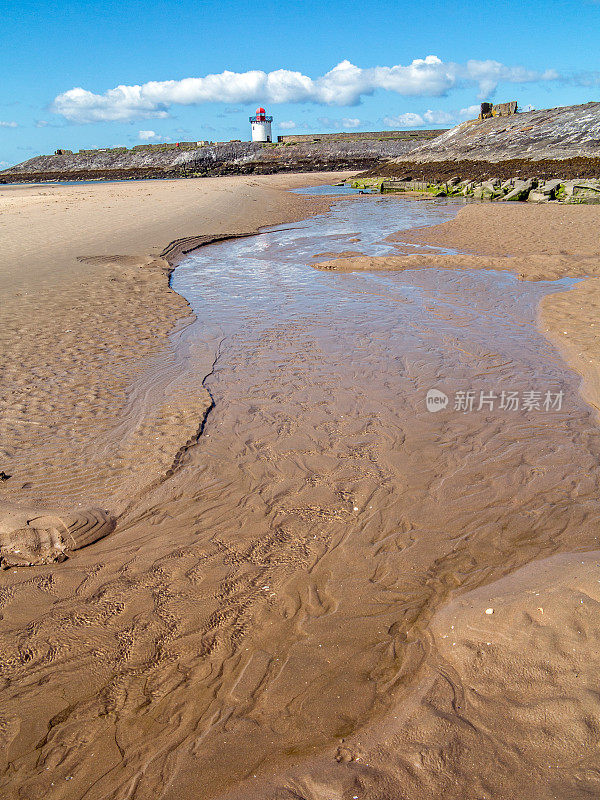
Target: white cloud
408 120
431 117
4 164
287 125
44 123
8 125
149 136
339 124
470 112
439 117
344 85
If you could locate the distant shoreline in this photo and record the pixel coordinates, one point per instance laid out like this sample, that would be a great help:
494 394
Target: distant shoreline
431 171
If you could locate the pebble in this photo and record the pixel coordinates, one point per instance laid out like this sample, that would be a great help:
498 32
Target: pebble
489 611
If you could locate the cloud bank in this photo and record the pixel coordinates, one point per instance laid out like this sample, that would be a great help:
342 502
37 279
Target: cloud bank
148 136
431 117
344 85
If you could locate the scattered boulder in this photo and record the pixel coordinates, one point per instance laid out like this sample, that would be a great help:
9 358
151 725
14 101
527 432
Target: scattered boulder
582 192
545 192
520 191
533 190
550 187
538 196
484 192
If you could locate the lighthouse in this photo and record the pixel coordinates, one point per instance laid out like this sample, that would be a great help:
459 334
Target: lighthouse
261 126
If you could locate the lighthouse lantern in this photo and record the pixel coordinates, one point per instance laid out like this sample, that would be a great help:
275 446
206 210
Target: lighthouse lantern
261 126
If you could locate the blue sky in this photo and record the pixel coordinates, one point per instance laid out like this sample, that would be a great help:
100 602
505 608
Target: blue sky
315 66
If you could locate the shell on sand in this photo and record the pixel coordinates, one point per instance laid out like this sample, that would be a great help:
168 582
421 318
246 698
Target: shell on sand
29 538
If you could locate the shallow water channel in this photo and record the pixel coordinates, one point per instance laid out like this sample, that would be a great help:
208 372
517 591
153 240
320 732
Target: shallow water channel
337 509
264 286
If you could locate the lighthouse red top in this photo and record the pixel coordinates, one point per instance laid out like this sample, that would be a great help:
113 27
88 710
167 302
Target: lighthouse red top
261 116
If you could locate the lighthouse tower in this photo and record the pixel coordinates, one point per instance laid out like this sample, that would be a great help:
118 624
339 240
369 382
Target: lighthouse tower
261 126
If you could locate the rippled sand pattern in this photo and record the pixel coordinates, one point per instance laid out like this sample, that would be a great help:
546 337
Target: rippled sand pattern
74 431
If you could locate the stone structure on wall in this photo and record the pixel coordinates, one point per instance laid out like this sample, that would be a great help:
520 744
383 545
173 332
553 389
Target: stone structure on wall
500 110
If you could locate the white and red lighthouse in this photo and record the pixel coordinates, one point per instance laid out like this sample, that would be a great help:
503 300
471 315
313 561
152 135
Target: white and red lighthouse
261 126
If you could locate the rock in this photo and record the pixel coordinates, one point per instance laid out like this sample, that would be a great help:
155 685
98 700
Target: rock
343 755
516 194
507 185
538 196
584 196
582 191
556 133
483 193
550 187
573 188
488 190
521 190
454 181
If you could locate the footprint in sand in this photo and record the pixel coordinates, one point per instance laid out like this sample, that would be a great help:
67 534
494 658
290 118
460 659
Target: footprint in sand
31 537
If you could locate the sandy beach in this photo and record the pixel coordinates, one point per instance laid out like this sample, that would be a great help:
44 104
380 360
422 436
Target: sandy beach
326 593
86 309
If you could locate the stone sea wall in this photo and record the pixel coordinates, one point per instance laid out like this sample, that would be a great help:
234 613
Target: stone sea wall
554 133
218 159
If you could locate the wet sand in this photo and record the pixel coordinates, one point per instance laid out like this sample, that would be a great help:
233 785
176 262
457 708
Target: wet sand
300 611
536 243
